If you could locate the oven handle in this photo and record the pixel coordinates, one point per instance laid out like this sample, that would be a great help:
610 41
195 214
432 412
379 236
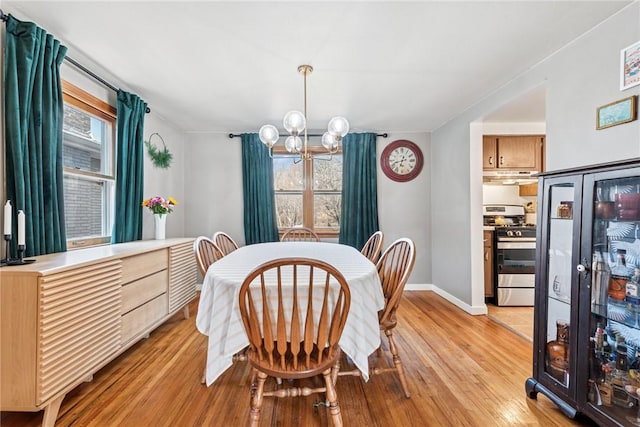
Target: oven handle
516 239
516 245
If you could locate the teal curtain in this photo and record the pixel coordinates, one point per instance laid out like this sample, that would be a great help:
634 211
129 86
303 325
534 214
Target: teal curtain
260 223
33 132
359 216
127 224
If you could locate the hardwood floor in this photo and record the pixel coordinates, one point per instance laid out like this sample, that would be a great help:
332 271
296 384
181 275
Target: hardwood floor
463 371
518 319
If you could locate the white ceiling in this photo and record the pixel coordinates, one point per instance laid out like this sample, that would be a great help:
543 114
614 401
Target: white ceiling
212 66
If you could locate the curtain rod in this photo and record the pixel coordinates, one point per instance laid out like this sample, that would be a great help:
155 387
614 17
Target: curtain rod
75 63
237 135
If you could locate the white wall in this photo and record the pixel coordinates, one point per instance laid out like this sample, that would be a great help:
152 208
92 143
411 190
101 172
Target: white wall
213 179
404 208
157 182
578 78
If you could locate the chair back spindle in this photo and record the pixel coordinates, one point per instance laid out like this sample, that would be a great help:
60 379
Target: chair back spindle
300 234
224 242
373 246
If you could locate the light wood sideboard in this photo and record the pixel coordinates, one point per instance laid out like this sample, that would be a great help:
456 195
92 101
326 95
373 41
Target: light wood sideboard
68 314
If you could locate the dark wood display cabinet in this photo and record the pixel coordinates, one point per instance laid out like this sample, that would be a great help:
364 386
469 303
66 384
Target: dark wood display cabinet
587 317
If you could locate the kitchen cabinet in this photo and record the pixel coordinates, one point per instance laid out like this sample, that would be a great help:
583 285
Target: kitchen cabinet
488 264
587 316
69 314
513 152
528 189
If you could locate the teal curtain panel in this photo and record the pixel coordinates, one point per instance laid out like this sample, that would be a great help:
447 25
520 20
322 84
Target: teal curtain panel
127 224
359 217
33 111
260 223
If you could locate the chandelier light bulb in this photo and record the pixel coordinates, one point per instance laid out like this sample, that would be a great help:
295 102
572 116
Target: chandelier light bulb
338 126
294 122
269 135
293 144
329 141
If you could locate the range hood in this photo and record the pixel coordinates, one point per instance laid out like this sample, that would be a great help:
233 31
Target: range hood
509 177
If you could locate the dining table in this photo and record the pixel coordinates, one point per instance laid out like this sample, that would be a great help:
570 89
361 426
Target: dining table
219 316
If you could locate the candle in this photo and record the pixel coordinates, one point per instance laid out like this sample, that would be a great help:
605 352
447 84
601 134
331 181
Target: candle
7 218
20 228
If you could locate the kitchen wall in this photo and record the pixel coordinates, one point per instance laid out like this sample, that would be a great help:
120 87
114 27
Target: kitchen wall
578 79
503 195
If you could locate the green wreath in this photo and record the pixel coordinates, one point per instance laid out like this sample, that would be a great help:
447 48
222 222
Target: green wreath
161 158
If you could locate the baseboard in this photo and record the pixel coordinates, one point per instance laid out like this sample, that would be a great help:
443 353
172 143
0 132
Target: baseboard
473 310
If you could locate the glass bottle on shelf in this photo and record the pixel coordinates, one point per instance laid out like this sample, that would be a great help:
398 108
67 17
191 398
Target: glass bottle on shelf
558 353
619 277
633 300
600 282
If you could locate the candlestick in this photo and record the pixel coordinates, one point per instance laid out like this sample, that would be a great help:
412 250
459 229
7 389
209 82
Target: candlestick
21 219
7 218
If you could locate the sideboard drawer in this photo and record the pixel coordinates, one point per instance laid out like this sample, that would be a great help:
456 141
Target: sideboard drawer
140 319
136 293
137 266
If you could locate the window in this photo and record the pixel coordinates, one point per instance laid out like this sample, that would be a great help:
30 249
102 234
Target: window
308 193
88 151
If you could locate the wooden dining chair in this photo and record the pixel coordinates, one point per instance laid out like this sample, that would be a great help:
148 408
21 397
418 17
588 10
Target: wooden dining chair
300 234
224 242
373 246
293 311
394 268
206 253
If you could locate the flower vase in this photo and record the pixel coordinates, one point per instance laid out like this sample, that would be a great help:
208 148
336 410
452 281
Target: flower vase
160 226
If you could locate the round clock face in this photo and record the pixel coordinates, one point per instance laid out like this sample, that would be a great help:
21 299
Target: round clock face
401 160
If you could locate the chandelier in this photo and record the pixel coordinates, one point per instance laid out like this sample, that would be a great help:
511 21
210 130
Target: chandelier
295 123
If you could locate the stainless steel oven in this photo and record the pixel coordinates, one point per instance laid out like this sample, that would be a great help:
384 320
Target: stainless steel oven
514 254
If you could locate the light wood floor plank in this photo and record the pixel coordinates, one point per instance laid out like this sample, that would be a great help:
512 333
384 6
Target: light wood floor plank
462 370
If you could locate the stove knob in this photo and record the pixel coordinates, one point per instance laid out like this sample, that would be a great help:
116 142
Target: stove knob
509 233
518 233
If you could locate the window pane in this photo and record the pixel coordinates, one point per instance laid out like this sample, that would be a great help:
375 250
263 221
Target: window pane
327 210
87 142
287 175
289 210
84 203
327 174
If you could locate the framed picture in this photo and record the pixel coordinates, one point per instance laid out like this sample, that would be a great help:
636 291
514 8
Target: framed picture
630 66
616 113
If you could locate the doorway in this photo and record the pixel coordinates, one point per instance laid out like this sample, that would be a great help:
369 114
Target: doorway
524 115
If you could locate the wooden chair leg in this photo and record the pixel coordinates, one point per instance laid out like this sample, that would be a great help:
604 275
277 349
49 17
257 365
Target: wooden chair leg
256 400
332 398
334 371
397 362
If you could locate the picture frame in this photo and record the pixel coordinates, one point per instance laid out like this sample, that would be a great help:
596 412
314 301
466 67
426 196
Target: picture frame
618 112
630 66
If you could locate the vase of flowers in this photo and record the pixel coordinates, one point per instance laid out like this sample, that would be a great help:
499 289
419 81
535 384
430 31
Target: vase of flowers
160 207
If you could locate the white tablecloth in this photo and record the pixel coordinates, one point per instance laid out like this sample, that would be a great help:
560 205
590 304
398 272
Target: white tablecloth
219 312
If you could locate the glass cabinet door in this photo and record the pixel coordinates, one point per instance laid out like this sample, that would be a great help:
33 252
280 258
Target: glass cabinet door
559 279
614 361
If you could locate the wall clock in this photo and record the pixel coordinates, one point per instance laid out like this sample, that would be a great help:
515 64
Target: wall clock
402 160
